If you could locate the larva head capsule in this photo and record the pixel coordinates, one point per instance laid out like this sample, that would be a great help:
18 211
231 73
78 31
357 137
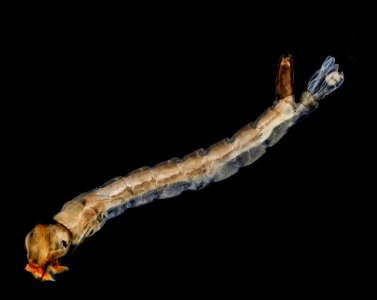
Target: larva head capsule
44 245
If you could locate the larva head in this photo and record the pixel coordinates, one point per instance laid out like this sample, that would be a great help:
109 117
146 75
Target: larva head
44 245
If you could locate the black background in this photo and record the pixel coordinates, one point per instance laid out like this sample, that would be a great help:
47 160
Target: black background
97 92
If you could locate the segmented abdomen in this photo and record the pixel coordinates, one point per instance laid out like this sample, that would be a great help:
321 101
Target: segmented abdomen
87 213
195 170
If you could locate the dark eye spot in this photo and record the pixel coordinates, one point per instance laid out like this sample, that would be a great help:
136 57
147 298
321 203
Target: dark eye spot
64 243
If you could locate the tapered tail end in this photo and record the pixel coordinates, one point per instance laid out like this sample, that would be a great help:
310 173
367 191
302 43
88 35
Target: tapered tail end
326 80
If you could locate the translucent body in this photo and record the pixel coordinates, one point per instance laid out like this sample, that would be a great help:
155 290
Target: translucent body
81 217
